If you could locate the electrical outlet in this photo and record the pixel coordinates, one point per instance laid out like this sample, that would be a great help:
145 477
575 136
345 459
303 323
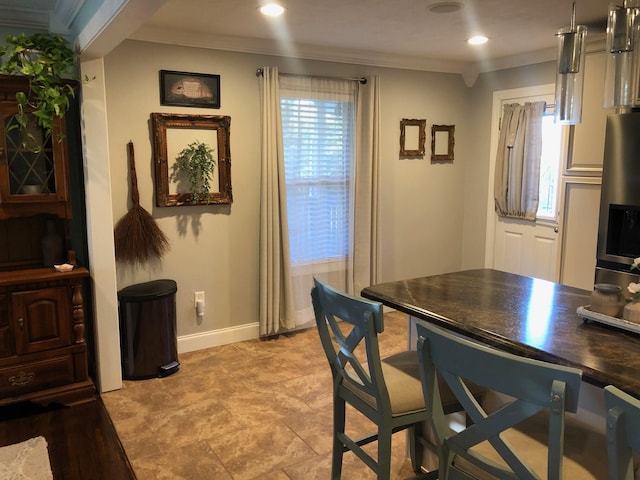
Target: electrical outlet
198 296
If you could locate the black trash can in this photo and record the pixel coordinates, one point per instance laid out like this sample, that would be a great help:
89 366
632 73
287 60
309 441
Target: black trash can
148 339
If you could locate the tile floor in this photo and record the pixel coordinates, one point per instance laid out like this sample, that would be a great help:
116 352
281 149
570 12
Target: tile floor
250 410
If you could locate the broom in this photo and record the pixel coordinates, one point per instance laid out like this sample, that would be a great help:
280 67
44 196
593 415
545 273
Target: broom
137 237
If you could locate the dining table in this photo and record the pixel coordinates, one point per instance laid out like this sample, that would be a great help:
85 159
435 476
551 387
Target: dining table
522 315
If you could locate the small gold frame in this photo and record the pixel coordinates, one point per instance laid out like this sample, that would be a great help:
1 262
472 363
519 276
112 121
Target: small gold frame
412 137
442 142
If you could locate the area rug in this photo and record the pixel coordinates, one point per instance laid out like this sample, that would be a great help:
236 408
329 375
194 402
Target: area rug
28 460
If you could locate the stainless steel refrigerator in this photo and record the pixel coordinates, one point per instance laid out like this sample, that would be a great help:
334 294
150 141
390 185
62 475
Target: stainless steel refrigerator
619 224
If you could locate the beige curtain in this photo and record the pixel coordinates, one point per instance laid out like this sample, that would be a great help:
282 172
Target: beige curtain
365 257
285 302
517 174
275 280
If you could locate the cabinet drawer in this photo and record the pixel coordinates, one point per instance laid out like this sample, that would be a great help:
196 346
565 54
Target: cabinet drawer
32 376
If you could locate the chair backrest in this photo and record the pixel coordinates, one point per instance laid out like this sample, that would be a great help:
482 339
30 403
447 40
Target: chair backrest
623 432
534 386
345 325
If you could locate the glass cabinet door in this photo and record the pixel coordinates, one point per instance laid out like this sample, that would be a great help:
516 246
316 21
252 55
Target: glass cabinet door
29 159
30 162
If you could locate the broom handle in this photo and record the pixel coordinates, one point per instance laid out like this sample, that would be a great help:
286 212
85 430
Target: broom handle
135 195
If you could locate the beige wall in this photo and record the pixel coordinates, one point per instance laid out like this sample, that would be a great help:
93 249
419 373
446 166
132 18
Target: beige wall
421 202
578 221
215 249
432 216
477 173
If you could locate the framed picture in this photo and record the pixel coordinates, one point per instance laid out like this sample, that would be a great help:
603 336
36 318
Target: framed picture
184 89
171 134
442 142
412 137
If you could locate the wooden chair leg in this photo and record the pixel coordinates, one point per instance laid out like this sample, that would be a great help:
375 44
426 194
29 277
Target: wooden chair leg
384 453
338 447
416 450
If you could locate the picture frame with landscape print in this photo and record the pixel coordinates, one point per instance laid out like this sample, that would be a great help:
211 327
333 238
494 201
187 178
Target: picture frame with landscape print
185 89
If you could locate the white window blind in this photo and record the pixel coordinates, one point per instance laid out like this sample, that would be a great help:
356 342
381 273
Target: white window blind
318 140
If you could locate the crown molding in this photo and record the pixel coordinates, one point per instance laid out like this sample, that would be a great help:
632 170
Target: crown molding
468 70
594 43
113 22
50 16
310 52
65 12
24 18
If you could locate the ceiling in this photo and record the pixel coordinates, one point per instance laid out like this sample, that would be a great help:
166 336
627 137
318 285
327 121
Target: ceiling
396 33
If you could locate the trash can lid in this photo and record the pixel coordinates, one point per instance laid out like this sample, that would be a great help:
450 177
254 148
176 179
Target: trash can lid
148 290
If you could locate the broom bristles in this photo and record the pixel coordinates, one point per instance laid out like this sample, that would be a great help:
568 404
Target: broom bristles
138 238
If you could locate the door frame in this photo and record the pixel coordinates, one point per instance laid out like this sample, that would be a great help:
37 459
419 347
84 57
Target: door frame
499 97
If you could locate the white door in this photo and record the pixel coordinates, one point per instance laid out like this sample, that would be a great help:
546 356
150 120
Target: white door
526 248
518 246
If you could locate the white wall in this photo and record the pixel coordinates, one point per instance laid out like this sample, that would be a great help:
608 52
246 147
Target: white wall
99 228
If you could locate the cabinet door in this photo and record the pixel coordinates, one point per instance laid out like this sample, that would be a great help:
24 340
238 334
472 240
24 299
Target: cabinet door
7 341
42 319
32 168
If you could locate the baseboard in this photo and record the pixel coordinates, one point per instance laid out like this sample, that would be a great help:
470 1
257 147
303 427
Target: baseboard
214 338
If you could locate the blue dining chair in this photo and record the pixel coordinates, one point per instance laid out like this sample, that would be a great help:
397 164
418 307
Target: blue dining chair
623 433
524 437
387 391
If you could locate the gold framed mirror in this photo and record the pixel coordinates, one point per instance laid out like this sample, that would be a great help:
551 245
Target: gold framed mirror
442 142
171 134
412 137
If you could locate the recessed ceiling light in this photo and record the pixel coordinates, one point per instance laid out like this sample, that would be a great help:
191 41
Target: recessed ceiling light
478 40
272 10
445 7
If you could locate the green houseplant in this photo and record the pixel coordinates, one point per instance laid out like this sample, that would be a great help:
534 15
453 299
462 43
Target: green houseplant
196 162
46 60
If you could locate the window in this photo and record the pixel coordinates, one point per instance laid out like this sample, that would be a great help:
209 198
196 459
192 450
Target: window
318 139
549 168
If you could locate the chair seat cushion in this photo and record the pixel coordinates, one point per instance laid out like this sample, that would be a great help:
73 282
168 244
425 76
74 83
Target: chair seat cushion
402 376
585 450
407 364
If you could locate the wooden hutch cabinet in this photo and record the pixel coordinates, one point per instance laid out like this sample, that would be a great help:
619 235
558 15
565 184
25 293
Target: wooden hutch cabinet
43 352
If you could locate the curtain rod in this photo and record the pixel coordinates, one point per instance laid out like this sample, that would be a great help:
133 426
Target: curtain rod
361 80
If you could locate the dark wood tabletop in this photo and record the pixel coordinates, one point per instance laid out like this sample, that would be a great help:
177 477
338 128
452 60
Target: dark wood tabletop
522 315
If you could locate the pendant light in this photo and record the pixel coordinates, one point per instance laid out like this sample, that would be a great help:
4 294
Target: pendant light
621 70
570 74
